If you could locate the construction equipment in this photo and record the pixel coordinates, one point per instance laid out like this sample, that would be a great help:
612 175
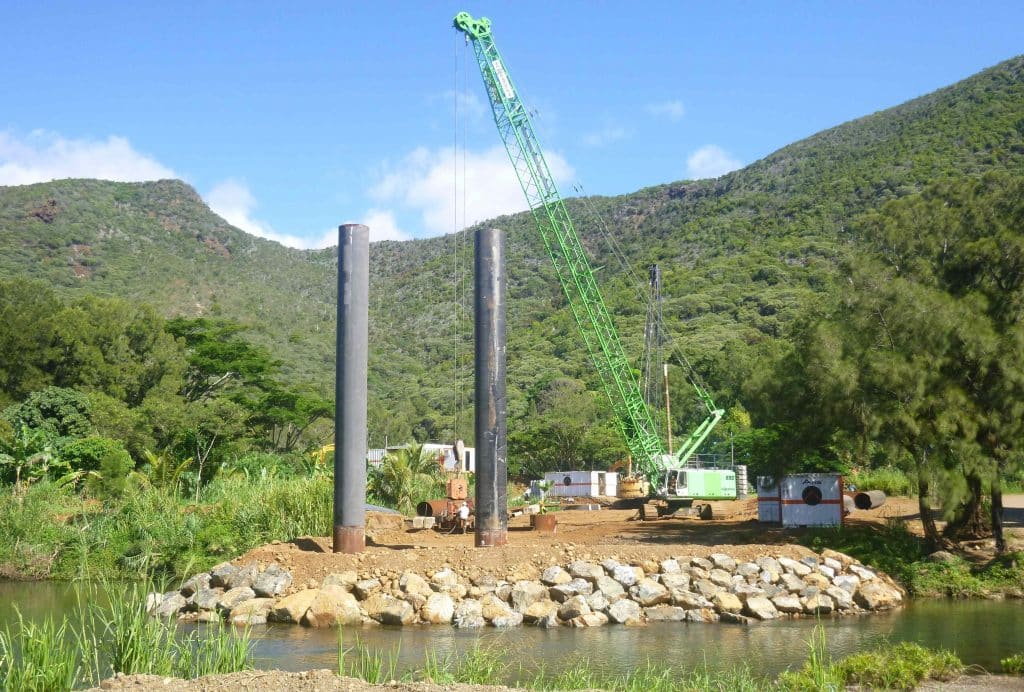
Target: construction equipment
669 477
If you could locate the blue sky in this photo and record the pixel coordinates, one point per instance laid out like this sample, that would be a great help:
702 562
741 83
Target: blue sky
290 118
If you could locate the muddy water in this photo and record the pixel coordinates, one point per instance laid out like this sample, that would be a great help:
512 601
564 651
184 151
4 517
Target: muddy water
980 632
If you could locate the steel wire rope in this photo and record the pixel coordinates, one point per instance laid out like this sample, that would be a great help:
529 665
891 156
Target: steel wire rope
637 283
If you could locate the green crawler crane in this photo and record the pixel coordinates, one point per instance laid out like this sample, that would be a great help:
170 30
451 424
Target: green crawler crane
667 475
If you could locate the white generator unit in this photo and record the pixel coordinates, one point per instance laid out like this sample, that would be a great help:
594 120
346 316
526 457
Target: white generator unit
769 501
812 499
582 483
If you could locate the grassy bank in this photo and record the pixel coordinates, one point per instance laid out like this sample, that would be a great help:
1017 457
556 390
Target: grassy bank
53 532
901 554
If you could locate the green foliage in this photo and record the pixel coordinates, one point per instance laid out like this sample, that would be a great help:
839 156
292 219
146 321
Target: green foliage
892 481
111 480
376 667
88 453
38 656
404 478
1013 665
901 666
56 411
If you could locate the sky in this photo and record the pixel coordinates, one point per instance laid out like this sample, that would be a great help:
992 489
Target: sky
290 118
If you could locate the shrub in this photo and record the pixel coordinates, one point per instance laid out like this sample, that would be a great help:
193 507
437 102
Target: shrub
1014 665
88 453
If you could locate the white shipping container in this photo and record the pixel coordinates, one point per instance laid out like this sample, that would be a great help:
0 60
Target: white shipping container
812 499
582 483
769 502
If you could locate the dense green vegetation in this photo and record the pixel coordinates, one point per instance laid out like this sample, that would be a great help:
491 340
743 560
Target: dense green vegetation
853 300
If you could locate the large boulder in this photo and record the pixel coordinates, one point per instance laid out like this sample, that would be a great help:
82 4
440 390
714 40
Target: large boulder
818 604
233 597
540 611
169 605
492 607
469 614
687 600
220 574
555 575
627 575
625 612
793 567
389 610
525 593
511 619
365 587
723 562
245 576
648 592
273 581
591 619
293 608
444 580
333 606
726 602
207 599
346 580
719 577
412 583
193 585
670 566
788 603
675 580
611 589
573 607
438 610
582 569
760 608
877 595
251 612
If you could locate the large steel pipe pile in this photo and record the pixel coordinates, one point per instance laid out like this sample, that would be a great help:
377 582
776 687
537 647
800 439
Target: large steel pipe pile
350 388
491 446
869 499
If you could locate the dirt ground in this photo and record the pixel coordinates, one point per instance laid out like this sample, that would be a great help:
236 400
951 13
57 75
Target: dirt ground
586 535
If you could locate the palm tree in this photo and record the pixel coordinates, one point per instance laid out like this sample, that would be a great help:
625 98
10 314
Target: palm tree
404 477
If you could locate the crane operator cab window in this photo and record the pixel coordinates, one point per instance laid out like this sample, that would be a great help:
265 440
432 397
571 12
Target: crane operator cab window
676 484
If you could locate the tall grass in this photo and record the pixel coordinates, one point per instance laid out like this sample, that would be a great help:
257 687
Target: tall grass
360 662
888 479
119 637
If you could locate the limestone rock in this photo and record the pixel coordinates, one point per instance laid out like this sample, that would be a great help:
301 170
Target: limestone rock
702 563
251 612
346 580
702 615
293 608
539 610
273 581
818 580
611 589
388 610
689 600
412 583
818 604
842 597
624 612
586 570
726 602
195 584
793 567
220 574
648 592
364 588
233 597
675 580
788 604
597 601
769 564
843 559
206 599
511 619
592 619
707 588
444 580
848 582
833 564
333 606
747 591
719 577
555 575
625 575
245 576
862 572
793 583
169 605
760 608
526 593
747 569
438 610
876 595
942 556
723 562
670 566
469 614
735 618
492 608
574 607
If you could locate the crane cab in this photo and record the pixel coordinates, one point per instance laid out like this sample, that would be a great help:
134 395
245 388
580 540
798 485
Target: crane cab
698 484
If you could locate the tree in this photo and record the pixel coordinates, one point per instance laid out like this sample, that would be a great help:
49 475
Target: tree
405 476
27 310
56 411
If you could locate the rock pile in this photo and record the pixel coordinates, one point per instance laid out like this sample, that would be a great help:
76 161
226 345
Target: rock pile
579 594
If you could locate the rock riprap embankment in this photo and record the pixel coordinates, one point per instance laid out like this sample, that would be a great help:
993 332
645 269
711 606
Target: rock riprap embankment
716 588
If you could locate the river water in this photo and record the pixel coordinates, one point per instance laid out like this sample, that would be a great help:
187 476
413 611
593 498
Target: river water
980 632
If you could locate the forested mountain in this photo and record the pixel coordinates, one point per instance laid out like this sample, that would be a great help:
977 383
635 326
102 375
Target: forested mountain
741 256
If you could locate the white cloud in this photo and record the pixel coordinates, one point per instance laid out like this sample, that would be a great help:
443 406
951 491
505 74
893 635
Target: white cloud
673 110
424 183
43 156
233 202
710 161
467 103
605 136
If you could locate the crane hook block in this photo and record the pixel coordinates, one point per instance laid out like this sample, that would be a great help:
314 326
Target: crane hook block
474 28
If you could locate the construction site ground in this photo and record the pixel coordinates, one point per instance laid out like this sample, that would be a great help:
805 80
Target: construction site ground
591 535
